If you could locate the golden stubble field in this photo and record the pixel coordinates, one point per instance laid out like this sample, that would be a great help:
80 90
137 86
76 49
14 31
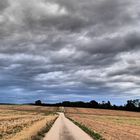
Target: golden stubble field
112 125
22 121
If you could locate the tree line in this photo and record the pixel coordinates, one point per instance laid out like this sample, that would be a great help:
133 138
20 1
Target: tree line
131 105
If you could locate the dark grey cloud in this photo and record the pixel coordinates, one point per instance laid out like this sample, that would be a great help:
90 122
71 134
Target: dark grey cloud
3 5
66 48
119 43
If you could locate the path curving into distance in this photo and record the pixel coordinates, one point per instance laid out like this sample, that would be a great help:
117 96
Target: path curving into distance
64 129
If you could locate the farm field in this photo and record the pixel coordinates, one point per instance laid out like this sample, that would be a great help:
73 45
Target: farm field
18 122
112 125
23 122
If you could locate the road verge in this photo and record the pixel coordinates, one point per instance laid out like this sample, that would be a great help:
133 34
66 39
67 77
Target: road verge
41 134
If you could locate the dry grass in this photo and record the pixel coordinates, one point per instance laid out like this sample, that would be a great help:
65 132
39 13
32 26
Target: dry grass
30 132
17 121
112 125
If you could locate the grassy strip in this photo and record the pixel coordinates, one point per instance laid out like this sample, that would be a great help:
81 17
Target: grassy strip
93 134
41 134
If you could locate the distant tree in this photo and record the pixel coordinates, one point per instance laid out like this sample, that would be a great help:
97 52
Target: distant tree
136 102
66 103
115 107
38 102
130 105
108 104
103 102
93 103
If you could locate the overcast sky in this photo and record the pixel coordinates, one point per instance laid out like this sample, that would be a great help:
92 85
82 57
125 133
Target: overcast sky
57 50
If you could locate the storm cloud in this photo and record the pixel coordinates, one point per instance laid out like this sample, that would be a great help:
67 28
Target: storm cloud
58 50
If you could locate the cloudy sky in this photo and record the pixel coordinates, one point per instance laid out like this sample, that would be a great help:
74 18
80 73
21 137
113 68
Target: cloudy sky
57 50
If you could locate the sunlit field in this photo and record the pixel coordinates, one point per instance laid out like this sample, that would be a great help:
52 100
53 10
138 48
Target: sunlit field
24 122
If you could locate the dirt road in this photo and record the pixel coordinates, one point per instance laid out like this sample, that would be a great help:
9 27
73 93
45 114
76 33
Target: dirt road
64 129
